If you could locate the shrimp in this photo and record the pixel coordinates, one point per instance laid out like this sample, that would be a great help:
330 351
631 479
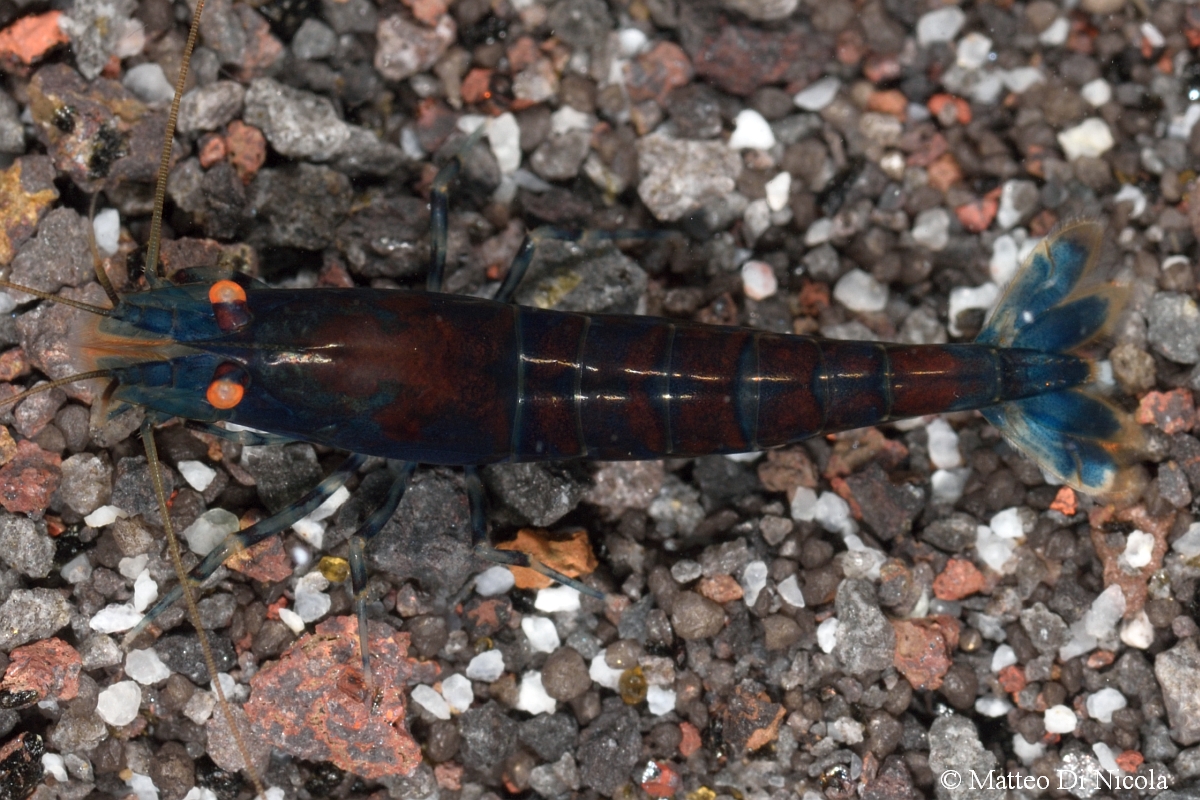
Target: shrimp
438 379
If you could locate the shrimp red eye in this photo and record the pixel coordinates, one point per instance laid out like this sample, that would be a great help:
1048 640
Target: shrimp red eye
229 306
225 394
226 292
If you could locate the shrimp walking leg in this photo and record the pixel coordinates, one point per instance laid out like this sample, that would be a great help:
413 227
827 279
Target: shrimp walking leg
439 203
482 546
252 535
402 472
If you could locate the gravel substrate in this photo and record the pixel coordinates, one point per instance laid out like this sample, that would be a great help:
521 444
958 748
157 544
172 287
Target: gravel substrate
892 613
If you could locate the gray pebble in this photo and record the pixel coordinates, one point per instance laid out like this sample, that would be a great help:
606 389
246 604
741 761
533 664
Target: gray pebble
608 750
488 735
559 157
551 736
300 205
59 256
282 473
679 175
25 546
696 617
1175 327
1046 629
86 483
1178 672
405 48
954 745
866 640
314 40
12 132
207 108
565 675
298 124
542 494
30 615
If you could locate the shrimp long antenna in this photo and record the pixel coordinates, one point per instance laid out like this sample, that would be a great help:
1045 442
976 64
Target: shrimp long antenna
53 298
164 163
54 384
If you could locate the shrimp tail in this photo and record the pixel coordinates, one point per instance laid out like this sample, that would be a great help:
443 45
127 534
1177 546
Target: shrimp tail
1059 303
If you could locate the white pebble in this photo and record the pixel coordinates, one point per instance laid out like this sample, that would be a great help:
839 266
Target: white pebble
53 764
1004 263
1104 754
1138 632
778 189
1089 138
149 84
198 474
145 590
458 693
1060 719
532 697
1105 612
1102 704
1139 549
940 25
428 698
845 729
310 531
201 793
486 667
755 220
540 632
1011 523
106 227
504 136
77 570
293 620
1056 33
145 667
751 131
272 793
817 94
567 119
493 581
1188 545
142 786
754 579
1097 92
115 618
948 484
827 635
104 515
331 504
557 598
932 228
943 445
859 291
818 232
758 280
660 701
118 704
1022 78
832 512
993 706
603 674
995 551
1004 656
209 530
1028 753
966 298
972 51
199 707
1152 35
311 602
804 505
789 590
632 41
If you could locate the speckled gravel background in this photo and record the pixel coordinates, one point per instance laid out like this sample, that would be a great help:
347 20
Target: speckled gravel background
861 615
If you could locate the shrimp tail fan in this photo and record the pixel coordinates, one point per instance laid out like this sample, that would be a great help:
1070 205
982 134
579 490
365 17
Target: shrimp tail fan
1058 303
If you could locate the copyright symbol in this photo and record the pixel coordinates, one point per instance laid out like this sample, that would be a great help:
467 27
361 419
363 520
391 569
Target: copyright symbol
950 779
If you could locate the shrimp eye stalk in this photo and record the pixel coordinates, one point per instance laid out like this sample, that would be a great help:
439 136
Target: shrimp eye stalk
227 388
229 306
